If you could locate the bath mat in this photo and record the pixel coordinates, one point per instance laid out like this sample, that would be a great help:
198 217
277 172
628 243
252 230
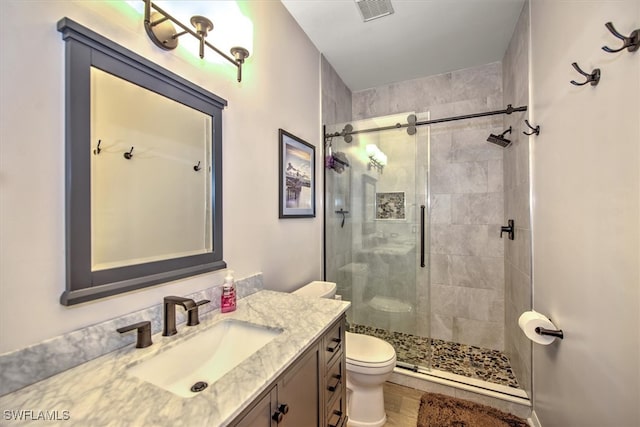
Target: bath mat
438 410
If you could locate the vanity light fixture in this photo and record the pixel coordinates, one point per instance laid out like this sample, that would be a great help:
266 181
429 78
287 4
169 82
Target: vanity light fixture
377 159
161 30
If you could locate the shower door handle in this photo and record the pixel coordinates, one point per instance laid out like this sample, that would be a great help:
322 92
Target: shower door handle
422 212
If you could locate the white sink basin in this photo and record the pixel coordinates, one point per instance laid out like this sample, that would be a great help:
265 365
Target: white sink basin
205 357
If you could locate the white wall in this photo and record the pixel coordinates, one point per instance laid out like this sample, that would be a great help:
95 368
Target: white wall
129 223
586 214
517 204
280 89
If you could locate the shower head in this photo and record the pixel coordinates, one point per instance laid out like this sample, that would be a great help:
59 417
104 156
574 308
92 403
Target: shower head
500 139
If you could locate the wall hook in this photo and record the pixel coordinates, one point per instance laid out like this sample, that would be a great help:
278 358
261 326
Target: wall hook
631 43
592 78
197 167
98 149
534 130
129 155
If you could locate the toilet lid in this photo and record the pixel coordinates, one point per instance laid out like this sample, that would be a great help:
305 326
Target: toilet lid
367 349
317 289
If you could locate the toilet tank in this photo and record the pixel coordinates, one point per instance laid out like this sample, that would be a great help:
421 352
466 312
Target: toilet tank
318 289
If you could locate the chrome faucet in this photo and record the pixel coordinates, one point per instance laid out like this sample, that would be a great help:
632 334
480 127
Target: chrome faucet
170 303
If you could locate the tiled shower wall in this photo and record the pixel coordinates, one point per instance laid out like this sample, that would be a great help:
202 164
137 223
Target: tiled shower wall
336 108
467 255
336 96
517 262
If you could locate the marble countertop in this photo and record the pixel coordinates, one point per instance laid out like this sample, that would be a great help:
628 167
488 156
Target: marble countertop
101 392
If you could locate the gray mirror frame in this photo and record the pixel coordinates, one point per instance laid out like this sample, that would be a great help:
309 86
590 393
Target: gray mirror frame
85 49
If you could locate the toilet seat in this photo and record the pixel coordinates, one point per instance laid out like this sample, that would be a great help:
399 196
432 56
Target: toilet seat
367 354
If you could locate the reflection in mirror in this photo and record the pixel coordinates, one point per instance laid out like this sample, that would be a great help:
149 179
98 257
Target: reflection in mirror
368 204
131 222
342 179
143 171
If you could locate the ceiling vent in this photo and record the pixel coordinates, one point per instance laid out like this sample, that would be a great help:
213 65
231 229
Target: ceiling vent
372 9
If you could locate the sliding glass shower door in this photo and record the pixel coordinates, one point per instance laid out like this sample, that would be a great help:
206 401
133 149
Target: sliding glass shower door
413 239
376 237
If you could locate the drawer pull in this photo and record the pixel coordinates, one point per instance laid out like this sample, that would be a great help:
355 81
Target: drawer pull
277 417
333 387
335 343
338 421
284 408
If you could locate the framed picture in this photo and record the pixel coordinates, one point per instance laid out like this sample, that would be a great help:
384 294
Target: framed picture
297 177
390 205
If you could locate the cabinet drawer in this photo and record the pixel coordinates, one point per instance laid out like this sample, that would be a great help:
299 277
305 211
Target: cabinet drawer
334 380
333 342
337 414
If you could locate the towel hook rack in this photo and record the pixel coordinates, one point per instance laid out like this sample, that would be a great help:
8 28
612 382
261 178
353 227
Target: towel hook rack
631 43
98 149
129 155
197 167
593 78
534 130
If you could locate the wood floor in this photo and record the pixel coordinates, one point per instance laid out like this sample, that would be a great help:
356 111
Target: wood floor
401 404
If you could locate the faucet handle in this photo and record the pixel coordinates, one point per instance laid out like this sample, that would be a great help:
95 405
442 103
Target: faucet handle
144 333
193 318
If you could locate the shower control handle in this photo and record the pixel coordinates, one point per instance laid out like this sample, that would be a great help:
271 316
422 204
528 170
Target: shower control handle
509 229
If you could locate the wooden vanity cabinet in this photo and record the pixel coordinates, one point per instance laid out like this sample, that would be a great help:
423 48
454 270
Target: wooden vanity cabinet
334 383
310 393
292 401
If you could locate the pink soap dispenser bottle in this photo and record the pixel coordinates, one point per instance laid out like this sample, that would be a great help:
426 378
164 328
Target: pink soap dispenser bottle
228 298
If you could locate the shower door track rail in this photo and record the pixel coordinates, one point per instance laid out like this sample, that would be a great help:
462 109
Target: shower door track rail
462 382
413 124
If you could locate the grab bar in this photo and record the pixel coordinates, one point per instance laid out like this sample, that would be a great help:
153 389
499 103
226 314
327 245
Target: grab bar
422 212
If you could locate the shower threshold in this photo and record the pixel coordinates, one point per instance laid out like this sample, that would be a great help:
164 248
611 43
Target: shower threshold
476 366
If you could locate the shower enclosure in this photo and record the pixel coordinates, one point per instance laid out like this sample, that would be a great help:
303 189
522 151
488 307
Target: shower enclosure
373 226
412 239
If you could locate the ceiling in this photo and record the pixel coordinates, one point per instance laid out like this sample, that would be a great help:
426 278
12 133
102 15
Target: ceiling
421 38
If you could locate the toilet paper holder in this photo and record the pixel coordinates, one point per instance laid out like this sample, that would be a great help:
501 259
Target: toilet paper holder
554 333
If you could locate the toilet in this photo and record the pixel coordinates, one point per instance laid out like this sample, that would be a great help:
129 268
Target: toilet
370 362
318 289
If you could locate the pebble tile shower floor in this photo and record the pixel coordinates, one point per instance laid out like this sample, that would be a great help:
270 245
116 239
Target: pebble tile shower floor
461 359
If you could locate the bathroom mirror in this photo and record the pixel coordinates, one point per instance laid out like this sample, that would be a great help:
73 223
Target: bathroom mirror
143 171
